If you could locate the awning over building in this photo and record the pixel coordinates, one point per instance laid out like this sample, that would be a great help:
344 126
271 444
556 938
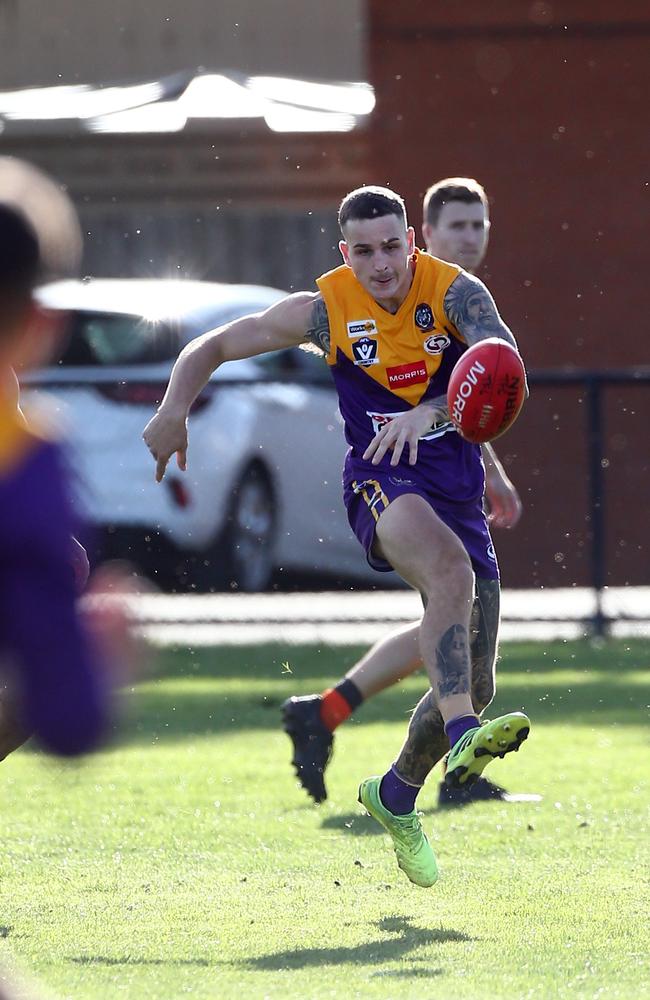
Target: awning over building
184 99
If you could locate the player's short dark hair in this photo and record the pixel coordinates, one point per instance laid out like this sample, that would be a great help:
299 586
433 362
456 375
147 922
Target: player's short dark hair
19 253
464 189
370 203
40 239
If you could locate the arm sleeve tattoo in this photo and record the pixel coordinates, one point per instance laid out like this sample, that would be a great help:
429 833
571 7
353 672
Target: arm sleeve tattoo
472 310
318 332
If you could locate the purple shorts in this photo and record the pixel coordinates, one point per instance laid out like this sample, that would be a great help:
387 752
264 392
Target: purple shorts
365 500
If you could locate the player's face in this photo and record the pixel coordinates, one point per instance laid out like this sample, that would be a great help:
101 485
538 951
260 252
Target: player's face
379 251
460 234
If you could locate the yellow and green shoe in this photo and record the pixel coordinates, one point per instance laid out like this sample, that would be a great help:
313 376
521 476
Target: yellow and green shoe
412 849
469 757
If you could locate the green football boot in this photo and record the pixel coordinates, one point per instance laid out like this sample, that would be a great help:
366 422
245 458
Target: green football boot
477 747
413 851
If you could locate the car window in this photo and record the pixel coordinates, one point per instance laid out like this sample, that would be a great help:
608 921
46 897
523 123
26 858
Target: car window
296 365
115 339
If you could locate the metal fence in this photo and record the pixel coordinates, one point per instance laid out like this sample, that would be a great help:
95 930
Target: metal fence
594 383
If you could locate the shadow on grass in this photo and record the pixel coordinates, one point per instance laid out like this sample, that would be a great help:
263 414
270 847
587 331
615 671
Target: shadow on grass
131 960
357 824
158 715
407 939
322 664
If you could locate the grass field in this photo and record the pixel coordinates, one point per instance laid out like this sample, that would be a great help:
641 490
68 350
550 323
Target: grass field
185 860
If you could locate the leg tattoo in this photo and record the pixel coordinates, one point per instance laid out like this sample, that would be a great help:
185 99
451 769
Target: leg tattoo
426 742
453 662
485 630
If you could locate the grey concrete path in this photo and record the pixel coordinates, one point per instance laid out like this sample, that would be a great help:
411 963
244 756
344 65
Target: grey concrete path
341 618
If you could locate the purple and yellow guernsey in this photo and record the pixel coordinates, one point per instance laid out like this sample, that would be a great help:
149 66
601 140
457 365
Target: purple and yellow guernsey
384 364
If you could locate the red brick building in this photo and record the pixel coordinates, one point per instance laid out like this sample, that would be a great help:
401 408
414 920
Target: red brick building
546 104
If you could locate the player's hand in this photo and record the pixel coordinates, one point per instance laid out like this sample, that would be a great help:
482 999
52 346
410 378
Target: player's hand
503 499
165 434
404 430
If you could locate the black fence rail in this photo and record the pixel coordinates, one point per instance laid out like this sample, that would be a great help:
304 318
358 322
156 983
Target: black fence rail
594 383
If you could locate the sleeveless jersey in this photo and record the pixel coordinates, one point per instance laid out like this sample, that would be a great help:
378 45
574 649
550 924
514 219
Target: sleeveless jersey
384 364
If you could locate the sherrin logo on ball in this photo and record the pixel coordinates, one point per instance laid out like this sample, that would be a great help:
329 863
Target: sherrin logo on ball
486 390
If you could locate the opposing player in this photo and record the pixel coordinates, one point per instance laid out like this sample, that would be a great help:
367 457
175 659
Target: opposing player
54 677
412 486
456 228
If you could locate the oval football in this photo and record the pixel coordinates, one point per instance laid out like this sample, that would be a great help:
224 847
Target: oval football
486 390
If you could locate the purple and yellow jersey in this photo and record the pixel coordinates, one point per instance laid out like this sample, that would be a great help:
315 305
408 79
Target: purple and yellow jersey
384 364
59 675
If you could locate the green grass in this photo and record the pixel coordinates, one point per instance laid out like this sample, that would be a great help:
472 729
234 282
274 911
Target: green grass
185 860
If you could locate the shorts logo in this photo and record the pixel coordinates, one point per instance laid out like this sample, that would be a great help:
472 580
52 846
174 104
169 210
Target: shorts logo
423 316
403 375
437 343
380 420
361 327
365 352
491 553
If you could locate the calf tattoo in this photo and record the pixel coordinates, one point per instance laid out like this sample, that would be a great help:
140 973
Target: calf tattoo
425 744
453 662
485 628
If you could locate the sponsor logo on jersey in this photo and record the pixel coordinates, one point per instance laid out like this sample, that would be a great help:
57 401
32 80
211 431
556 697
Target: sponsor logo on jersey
436 343
361 327
465 389
423 316
365 352
380 420
403 375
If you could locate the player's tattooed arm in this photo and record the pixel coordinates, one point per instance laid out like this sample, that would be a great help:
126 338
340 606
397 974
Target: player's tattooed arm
472 310
318 331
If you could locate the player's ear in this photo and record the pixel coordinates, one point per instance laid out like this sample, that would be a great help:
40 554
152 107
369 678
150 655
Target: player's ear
410 239
345 252
427 233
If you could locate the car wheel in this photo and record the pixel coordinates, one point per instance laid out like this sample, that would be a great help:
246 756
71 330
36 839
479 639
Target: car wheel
242 557
249 537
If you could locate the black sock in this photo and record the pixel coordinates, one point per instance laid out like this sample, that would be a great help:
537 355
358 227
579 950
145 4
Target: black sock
349 690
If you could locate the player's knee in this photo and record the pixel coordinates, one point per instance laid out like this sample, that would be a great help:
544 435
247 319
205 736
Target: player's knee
453 573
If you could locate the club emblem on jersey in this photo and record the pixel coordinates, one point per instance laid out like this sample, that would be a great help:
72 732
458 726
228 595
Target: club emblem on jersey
365 352
361 327
423 316
436 343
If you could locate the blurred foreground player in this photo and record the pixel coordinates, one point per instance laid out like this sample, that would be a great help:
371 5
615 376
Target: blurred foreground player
456 228
413 487
54 666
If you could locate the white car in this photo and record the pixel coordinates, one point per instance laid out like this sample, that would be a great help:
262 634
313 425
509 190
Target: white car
262 492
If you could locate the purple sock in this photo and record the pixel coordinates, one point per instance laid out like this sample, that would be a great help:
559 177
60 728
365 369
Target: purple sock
398 796
457 727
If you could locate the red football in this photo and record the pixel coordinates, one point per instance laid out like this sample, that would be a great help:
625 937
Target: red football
486 390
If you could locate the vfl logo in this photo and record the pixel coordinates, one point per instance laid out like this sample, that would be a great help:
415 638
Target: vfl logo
365 352
361 327
437 343
465 390
404 375
423 316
